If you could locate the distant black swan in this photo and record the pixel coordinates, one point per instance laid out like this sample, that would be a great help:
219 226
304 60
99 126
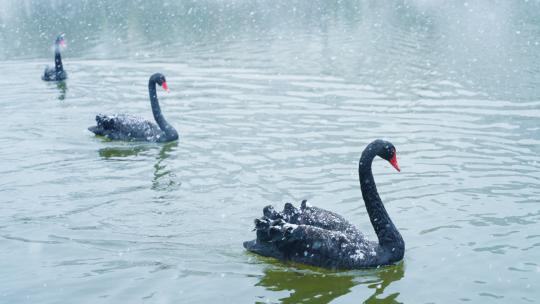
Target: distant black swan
130 128
322 238
57 72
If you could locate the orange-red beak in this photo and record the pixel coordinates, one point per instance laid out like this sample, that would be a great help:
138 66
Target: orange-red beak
165 87
394 163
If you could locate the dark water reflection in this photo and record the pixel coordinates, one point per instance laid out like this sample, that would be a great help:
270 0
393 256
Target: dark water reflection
323 287
62 89
121 152
306 286
164 179
384 278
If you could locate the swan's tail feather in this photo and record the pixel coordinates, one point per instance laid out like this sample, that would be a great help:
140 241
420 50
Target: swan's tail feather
271 237
262 224
265 228
105 122
96 130
278 235
272 231
289 210
289 213
264 249
271 213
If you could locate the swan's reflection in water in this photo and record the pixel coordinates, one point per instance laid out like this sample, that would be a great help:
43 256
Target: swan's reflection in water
319 286
307 287
382 278
164 179
62 88
121 152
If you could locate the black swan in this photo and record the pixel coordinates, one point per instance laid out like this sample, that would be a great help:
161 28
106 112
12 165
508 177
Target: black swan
57 72
322 238
130 128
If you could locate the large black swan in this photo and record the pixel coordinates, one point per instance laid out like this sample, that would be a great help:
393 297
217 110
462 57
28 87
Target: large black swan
130 128
323 238
57 72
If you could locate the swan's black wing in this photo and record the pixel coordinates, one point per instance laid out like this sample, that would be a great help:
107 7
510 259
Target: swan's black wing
312 245
126 127
312 216
50 74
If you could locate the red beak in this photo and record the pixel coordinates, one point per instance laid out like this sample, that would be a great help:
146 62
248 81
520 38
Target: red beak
165 87
394 163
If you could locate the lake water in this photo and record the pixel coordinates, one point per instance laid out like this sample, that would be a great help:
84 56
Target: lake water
274 102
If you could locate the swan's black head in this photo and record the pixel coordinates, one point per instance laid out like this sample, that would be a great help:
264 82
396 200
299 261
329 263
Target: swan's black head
60 41
387 151
160 79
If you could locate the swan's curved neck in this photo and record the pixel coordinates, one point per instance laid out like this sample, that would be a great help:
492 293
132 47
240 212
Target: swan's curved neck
388 235
58 60
169 130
